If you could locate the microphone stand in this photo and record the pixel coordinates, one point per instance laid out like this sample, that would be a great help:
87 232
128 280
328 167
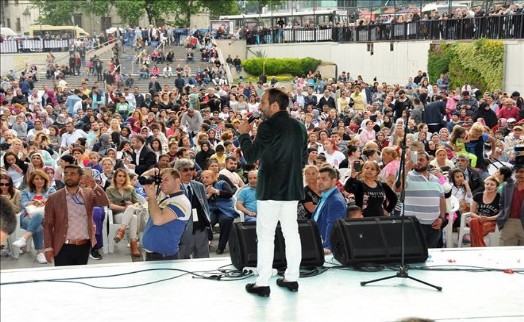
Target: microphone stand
401 183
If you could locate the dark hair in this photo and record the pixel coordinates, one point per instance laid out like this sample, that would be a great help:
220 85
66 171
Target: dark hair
75 167
275 95
10 153
452 175
505 172
10 188
351 149
229 158
155 140
331 172
8 220
140 138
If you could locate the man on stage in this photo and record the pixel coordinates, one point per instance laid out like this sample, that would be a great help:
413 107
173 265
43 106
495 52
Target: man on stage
281 149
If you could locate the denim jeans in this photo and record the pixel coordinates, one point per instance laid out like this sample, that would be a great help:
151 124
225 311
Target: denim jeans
432 235
34 225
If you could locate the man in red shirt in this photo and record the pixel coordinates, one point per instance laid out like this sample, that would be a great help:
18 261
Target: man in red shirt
508 110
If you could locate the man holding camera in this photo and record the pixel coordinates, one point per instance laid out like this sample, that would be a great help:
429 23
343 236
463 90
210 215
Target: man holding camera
169 213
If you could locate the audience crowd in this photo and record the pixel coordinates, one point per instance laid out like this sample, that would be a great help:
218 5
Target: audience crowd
456 137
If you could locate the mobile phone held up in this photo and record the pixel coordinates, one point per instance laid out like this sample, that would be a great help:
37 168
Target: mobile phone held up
357 165
413 156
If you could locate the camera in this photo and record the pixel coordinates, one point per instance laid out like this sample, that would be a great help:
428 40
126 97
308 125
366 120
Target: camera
519 156
156 179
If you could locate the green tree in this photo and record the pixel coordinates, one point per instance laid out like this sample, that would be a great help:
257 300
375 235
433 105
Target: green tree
57 13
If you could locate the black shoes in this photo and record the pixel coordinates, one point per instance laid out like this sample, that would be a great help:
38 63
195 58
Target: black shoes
258 290
220 251
94 254
292 286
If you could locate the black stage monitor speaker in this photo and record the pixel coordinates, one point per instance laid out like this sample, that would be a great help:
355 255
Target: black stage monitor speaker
378 240
243 245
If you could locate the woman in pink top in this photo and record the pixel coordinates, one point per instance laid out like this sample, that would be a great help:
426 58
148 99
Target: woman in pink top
367 133
391 165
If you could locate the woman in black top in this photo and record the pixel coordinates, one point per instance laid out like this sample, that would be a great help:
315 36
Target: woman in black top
375 198
484 210
307 206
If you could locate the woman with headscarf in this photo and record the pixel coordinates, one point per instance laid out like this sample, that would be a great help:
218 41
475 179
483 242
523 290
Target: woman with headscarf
103 144
485 112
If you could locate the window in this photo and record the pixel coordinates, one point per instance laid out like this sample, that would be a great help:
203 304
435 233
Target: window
8 23
77 19
106 23
18 26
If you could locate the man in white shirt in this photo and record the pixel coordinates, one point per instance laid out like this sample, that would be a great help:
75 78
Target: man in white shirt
230 172
130 98
71 136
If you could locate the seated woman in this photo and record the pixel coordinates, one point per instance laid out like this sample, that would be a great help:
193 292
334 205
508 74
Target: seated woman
441 160
375 198
8 190
221 206
484 210
307 206
15 167
38 189
123 200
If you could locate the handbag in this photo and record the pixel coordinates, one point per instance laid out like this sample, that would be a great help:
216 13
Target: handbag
34 210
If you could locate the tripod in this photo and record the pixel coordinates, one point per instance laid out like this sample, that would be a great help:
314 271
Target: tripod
401 181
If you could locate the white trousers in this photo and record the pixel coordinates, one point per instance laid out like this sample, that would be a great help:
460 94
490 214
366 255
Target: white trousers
130 219
269 213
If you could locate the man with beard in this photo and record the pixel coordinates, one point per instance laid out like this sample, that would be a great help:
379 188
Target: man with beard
69 230
425 198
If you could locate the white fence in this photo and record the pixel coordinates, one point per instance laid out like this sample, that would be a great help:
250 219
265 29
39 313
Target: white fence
33 45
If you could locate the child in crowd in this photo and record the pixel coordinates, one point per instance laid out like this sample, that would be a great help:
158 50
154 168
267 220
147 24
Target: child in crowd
354 211
133 179
458 140
94 161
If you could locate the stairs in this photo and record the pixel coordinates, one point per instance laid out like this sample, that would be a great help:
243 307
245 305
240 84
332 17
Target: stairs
128 68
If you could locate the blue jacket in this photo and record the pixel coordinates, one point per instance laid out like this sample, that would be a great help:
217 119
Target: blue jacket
223 203
332 209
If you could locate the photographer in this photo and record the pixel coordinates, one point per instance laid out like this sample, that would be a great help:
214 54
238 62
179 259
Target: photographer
169 212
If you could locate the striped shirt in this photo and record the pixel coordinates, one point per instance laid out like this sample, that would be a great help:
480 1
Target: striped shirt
423 197
77 227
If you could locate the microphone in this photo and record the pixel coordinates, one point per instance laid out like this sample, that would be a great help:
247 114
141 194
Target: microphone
251 117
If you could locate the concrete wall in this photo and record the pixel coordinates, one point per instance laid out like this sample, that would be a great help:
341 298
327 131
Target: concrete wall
392 66
514 66
18 61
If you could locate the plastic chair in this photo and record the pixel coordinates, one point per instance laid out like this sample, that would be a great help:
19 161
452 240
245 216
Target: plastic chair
113 227
491 238
240 213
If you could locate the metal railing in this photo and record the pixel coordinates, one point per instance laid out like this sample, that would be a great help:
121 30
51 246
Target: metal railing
493 27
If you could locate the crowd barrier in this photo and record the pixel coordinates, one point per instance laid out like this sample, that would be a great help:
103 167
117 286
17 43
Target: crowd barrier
493 27
34 45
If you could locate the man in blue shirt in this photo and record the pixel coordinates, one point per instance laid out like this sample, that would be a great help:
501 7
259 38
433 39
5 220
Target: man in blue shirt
332 205
247 198
169 213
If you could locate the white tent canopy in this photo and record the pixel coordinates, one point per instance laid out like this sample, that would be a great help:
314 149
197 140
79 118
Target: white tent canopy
7 32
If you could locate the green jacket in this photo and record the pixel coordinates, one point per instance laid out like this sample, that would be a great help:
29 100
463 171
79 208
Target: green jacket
281 148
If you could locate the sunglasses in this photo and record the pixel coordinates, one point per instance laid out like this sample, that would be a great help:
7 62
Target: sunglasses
187 169
4 184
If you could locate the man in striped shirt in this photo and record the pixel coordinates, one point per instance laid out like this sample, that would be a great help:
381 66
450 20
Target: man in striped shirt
425 198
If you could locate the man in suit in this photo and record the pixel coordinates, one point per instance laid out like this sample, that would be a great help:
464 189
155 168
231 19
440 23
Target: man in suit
281 149
143 157
332 205
194 242
69 230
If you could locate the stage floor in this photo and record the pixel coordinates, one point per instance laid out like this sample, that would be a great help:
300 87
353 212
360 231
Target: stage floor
335 295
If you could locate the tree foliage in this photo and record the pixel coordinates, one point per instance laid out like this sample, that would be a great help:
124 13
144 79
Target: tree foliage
479 63
178 12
